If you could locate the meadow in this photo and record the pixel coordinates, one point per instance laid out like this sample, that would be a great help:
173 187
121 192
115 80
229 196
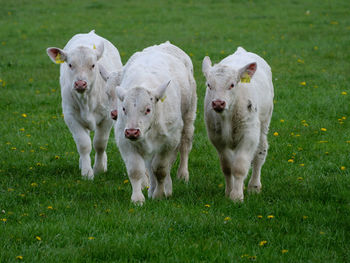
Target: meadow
49 214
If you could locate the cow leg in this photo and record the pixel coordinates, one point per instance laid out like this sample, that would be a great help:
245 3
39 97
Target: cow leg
82 140
161 170
226 159
100 144
241 163
135 166
186 142
258 161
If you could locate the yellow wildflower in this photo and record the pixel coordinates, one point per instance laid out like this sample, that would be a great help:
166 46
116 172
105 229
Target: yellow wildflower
263 243
282 120
207 205
270 216
291 161
227 218
260 216
284 251
343 168
24 115
91 238
19 257
38 238
344 93
126 181
323 129
303 83
275 134
50 207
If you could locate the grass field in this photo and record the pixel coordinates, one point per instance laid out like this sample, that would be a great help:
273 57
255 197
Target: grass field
49 214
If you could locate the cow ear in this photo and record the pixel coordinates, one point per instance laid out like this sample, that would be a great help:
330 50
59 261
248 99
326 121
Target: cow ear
57 55
99 50
159 93
247 72
206 65
120 93
103 72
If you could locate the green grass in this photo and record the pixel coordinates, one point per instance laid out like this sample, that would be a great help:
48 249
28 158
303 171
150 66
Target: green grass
42 195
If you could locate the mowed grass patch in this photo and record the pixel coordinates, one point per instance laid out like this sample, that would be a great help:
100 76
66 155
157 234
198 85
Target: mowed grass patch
48 213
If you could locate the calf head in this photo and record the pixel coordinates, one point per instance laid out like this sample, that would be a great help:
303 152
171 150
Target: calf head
112 81
81 63
139 109
222 81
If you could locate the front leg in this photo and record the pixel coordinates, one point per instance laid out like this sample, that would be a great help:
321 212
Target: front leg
100 144
226 160
161 169
135 166
83 143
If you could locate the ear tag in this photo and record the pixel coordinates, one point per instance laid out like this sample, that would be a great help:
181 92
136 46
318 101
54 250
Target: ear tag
58 59
94 47
162 99
245 78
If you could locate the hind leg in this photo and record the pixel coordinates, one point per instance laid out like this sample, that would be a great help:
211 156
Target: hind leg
258 161
186 141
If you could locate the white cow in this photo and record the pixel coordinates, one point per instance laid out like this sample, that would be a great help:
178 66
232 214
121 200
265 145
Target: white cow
156 112
238 109
85 101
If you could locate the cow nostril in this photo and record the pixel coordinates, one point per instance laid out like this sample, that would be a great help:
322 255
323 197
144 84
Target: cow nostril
218 105
114 114
132 133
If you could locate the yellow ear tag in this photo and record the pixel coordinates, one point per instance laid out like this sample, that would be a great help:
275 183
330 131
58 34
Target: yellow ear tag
94 47
162 99
245 78
58 59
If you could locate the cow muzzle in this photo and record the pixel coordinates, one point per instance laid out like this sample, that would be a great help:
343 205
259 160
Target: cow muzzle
132 134
218 105
80 86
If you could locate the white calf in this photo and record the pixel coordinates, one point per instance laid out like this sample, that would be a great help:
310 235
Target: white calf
238 109
156 113
85 101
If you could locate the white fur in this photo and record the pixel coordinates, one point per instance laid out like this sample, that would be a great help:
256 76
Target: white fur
160 78
239 132
88 111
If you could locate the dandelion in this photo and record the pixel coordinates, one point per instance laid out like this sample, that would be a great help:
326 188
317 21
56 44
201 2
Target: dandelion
281 120
19 257
21 129
50 207
221 185
33 184
343 168
3 219
305 217
38 238
263 243
315 47
300 61
344 93
222 52
300 178
260 216
227 218
24 115
57 157
13 148
108 210
275 134
205 212
207 205
334 23
191 54
270 216
302 165
10 190
284 251
131 210
91 238
303 83
291 161
126 181
323 129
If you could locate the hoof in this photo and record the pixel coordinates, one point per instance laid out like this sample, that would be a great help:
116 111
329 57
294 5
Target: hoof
236 197
87 174
254 189
138 199
183 175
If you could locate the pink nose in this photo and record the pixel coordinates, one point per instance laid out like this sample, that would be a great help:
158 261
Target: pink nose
80 85
218 105
132 134
114 114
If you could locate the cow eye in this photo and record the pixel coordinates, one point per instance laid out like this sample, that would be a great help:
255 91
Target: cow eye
232 85
148 110
93 66
70 65
208 85
124 110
